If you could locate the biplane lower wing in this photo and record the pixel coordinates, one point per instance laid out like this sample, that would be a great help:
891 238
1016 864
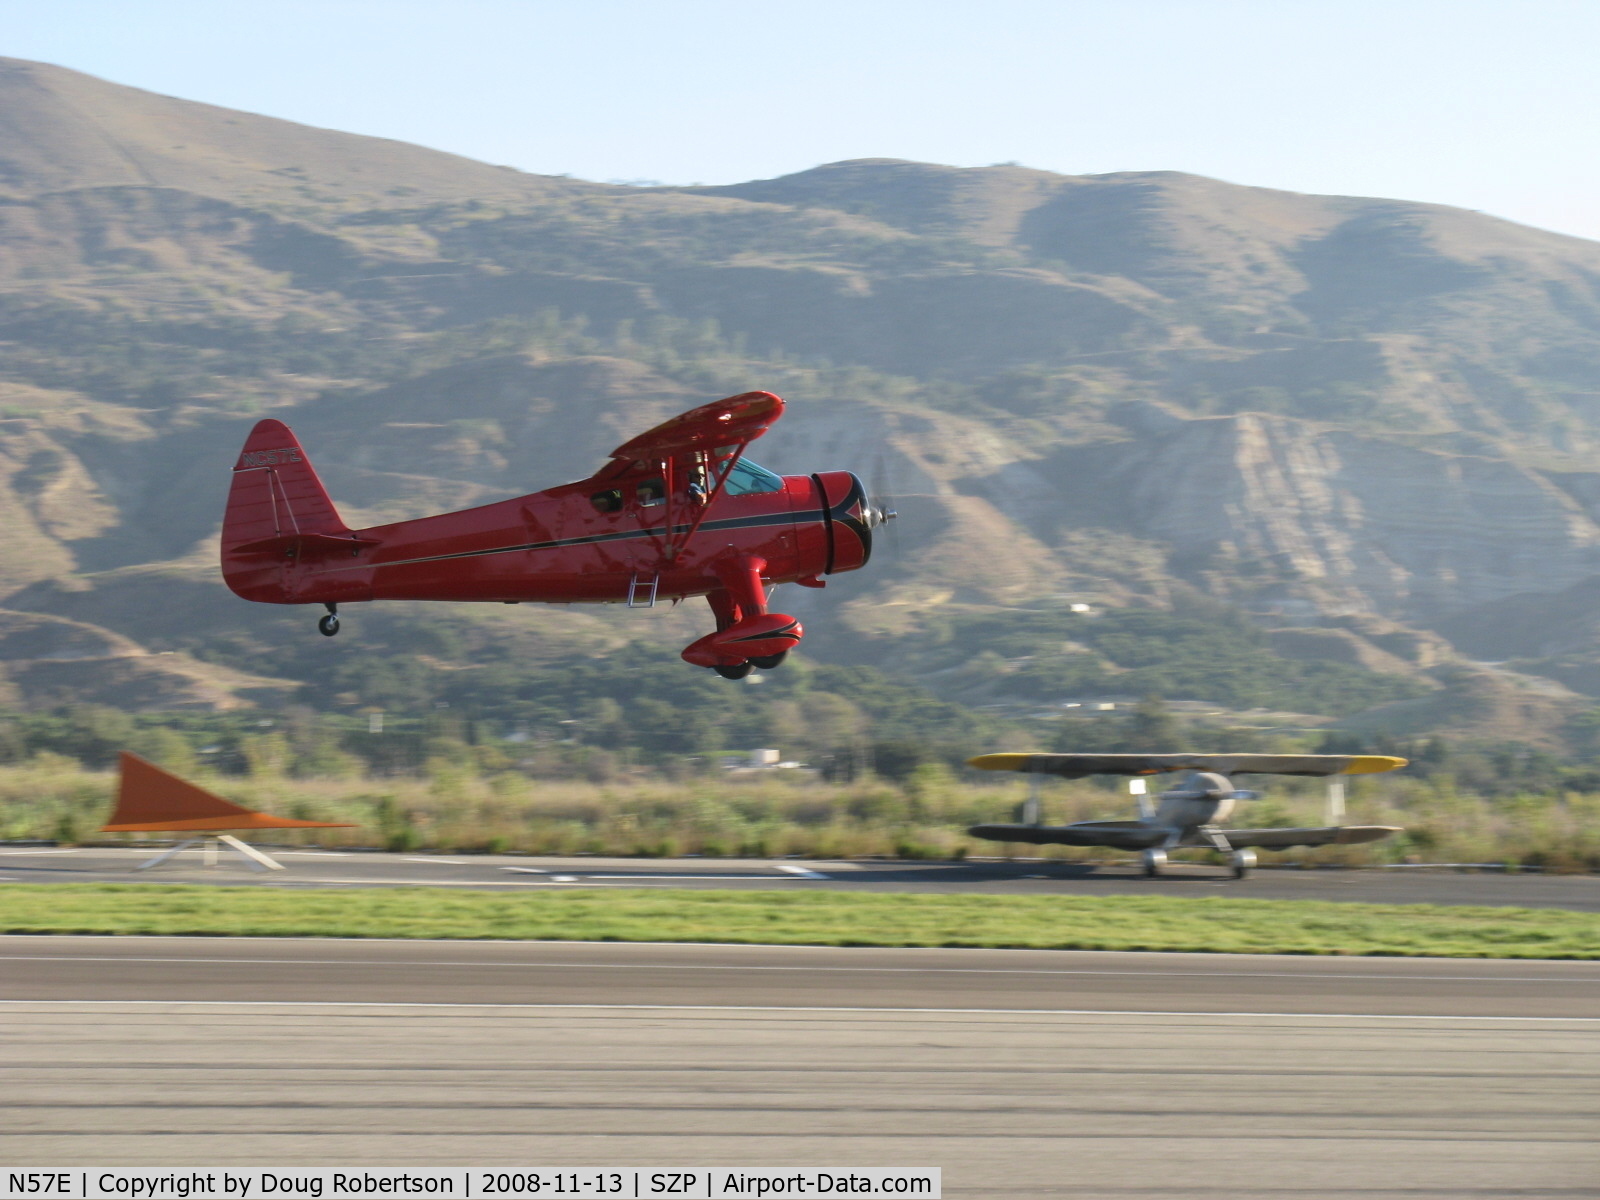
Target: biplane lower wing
1330 835
1137 835
1119 835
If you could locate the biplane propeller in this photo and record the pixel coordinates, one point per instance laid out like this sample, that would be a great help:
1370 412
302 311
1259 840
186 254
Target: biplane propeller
677 511
1190 815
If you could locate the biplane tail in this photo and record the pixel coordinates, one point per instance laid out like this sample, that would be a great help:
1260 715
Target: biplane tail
277 512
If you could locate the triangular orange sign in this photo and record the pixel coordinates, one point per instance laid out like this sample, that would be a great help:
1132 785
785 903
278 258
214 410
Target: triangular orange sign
150 800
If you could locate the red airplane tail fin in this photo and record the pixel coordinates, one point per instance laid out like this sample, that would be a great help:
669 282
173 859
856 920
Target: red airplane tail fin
276 505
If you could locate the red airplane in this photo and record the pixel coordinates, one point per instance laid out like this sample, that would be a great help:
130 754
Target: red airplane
676 512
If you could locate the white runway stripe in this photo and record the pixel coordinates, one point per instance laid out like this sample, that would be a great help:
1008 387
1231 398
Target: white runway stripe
1065 971
785 1008
17 853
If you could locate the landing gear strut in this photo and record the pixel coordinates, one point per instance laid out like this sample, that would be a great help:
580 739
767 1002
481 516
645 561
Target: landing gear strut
329 625
746 631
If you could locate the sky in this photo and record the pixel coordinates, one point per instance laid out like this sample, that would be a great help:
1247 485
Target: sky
1491 105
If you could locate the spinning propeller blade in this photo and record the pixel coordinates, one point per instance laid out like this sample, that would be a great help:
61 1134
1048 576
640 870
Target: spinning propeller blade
880 505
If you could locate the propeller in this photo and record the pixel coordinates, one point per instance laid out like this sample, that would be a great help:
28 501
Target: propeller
880 505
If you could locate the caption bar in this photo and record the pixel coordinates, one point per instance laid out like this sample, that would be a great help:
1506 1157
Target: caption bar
612 1183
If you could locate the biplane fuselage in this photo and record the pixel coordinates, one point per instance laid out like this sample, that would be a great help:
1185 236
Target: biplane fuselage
675 513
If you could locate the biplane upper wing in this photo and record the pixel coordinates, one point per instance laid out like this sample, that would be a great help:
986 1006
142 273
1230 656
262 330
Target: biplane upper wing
1077 766
1331 835
733 422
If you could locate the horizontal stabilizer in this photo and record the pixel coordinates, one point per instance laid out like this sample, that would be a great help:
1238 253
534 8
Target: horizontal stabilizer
1077 766
306 544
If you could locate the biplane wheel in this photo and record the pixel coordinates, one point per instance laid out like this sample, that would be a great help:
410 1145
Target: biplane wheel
1153 861
735 672
768 662
329 625
1241 862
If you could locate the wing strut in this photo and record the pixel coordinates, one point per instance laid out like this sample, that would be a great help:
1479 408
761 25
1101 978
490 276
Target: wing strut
677 545
1335 814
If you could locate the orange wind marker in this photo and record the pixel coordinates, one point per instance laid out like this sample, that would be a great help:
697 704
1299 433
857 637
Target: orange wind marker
151 800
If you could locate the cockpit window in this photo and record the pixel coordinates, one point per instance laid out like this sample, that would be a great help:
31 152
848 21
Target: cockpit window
652 492
746 478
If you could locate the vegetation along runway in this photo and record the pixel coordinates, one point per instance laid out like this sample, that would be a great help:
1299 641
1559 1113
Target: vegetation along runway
1021 1074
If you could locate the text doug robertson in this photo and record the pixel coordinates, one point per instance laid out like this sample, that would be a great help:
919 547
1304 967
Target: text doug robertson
266 1183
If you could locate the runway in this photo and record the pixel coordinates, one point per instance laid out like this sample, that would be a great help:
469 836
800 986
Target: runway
343 869
1020 1073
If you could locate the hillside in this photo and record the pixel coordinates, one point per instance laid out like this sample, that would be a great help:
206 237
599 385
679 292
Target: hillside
1370 425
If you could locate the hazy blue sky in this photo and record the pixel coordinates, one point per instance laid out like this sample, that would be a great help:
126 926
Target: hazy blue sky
1486 104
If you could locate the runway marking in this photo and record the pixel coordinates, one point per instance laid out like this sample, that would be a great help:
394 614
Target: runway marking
795 1008
449 862
303 853
802 872
432 883
706 878
11 853
575 965
798 873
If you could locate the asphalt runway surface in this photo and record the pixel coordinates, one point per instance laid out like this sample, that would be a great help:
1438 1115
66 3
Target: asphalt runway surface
1019 1073
335 869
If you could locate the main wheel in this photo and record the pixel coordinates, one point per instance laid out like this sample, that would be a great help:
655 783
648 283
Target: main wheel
1241 862
1153 861
736 672
767 662
329 625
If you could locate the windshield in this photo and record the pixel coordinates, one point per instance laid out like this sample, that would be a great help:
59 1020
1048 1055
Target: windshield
746 477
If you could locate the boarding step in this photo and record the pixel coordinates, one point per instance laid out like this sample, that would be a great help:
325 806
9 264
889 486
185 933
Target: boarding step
642 592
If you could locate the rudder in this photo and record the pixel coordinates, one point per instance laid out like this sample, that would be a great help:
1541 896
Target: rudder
276 500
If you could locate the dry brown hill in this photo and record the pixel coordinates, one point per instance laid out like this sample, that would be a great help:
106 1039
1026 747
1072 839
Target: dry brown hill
61 130
1112 390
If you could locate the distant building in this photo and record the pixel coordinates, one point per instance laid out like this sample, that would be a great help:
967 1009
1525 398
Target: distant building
765 759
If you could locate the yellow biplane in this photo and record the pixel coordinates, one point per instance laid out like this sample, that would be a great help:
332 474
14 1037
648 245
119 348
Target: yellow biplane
1191 814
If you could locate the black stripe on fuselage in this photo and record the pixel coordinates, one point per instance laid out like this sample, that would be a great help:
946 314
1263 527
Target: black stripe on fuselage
752 522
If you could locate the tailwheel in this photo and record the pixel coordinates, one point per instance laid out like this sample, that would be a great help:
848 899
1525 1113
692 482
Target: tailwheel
1153 861
739 671
1241 862
329 625
769 662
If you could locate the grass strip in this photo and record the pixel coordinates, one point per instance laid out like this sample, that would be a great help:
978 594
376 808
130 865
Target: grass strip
1203 924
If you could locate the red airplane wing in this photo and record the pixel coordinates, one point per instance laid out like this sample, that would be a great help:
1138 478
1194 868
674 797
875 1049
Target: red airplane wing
724 423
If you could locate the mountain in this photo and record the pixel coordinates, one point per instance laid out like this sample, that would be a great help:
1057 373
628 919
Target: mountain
62 131
1364 423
